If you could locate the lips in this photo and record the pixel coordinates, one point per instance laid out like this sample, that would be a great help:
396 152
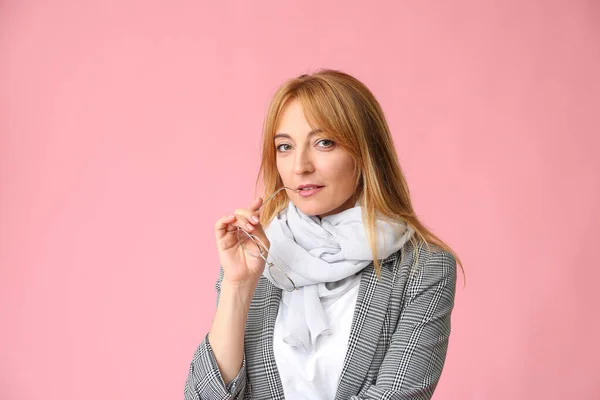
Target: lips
309 190
309 186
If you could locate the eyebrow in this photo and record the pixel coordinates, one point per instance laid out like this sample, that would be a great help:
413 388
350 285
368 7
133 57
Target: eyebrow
285 135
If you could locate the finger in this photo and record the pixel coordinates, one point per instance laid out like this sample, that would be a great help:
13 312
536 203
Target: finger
253 210
255 204
244 219
231 228
223 224
256 229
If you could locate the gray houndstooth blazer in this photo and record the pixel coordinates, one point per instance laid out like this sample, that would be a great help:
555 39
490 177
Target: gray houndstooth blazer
397 344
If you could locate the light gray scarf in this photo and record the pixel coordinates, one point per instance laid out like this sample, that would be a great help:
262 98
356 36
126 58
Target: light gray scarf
315 252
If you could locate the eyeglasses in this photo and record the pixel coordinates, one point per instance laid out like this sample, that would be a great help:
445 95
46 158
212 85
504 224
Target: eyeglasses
254 247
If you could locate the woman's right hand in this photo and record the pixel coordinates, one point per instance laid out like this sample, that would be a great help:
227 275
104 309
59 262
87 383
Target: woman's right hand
238 266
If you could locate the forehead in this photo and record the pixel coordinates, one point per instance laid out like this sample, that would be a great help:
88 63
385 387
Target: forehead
293 122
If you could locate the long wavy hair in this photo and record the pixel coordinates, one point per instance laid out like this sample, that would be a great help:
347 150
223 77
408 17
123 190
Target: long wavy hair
346 110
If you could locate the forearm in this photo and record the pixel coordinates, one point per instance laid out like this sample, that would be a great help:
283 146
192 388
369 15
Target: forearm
226 335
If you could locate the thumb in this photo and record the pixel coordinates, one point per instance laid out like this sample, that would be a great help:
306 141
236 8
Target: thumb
256 203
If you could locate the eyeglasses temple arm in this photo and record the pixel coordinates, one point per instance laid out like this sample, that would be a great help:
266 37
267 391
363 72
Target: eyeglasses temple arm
273 195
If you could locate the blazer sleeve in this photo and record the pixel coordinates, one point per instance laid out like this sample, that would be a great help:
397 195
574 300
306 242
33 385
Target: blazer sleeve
204 379
414 360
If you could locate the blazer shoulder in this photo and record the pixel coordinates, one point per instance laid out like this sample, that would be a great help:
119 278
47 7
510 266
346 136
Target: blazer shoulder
415 256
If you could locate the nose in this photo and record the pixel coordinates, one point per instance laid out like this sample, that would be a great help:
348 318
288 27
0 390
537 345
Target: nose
303 163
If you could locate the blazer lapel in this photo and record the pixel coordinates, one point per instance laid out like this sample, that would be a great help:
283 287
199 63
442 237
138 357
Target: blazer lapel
265 379
369 313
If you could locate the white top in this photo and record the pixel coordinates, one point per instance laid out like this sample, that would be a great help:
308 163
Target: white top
316 375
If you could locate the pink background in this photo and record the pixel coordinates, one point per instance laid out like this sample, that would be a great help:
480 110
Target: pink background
127 128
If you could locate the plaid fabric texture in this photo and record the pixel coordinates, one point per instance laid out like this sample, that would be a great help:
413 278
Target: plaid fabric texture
398 340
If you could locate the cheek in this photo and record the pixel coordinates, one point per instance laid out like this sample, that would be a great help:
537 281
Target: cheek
282 169
343 171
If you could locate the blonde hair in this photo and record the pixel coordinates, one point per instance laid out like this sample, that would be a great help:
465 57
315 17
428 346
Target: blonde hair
344 108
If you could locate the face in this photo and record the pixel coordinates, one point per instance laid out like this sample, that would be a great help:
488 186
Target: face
305 157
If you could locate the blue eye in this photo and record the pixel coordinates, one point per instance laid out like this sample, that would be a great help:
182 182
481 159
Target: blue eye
283 144
327 142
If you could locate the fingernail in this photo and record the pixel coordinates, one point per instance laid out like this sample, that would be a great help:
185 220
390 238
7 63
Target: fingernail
249 227
255 219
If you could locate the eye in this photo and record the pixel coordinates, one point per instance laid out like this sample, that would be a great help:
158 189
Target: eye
280 148
326 143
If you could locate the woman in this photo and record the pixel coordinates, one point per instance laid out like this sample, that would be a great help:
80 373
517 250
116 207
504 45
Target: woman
355 297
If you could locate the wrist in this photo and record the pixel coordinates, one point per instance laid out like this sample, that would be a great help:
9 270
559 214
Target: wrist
242 290
241 284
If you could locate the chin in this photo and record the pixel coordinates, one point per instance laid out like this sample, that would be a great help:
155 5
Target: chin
313 211
310 209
